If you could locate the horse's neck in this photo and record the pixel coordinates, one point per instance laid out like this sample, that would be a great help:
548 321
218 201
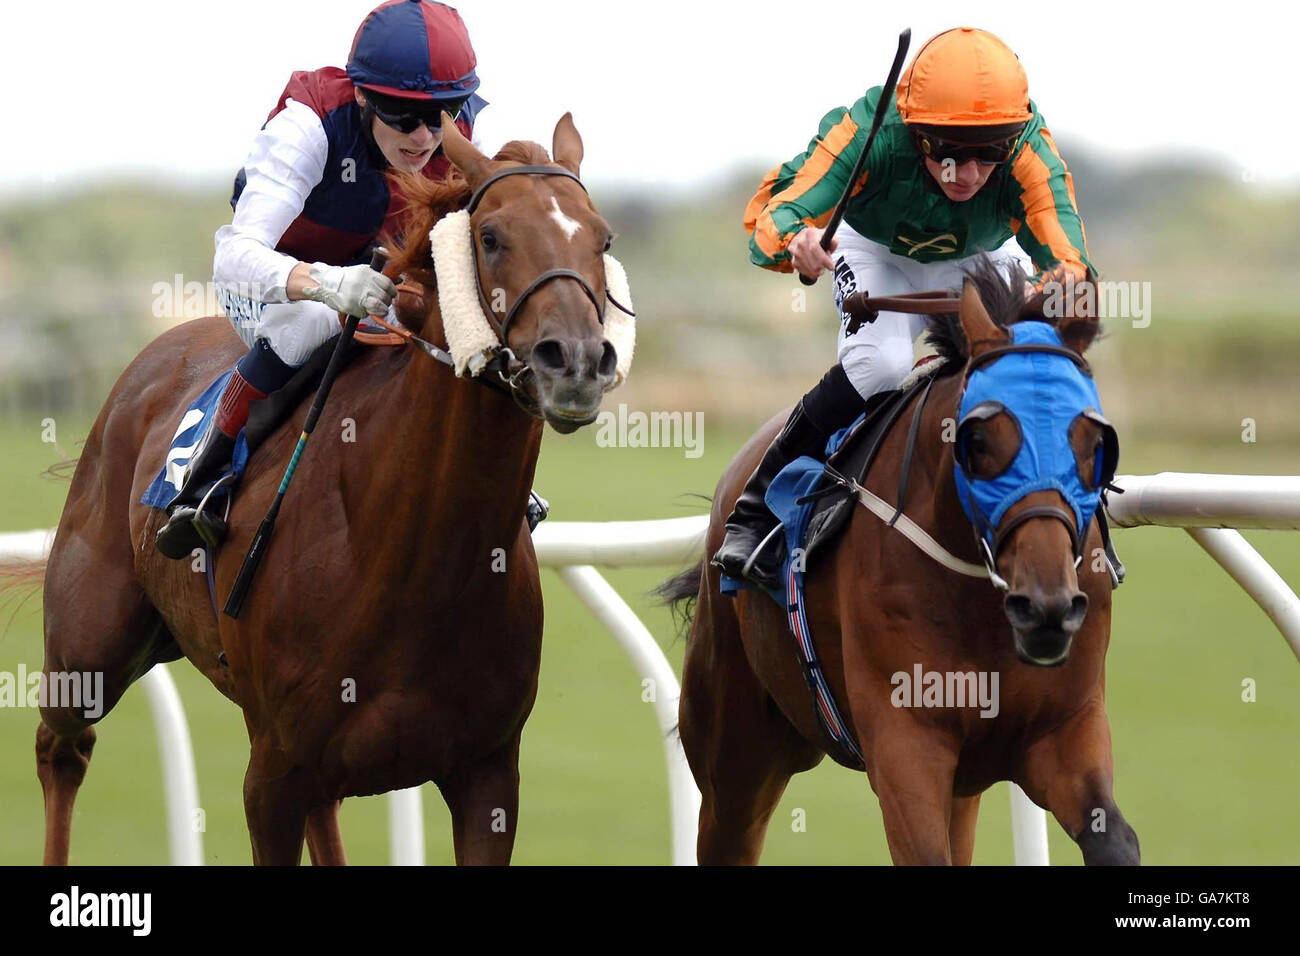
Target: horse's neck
447 450
946 521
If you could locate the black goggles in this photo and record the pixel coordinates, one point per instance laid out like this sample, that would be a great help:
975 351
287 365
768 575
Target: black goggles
402 118
989 154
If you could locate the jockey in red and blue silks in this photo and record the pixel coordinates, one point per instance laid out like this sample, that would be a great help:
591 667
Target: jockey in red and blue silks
310 201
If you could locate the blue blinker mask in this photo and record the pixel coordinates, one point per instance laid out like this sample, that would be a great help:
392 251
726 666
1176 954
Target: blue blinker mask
1044 387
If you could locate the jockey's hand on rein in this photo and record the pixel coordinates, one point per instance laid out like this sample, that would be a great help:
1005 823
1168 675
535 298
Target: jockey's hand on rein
356 290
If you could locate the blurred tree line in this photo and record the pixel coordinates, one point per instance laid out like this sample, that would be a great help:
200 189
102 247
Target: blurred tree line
81 274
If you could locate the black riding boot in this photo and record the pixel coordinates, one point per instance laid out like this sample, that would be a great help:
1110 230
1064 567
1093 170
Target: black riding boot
753 549
258 374
187 528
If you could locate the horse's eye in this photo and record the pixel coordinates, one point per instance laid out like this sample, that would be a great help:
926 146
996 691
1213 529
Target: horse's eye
489 241
609 241
976 444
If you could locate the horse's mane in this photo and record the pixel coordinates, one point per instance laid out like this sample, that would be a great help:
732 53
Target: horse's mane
428 200
1003 295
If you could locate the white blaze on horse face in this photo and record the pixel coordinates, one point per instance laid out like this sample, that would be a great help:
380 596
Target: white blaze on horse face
569 226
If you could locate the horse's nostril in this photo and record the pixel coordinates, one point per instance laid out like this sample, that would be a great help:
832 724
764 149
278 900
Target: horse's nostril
1022 611
608 364
549 355
1078 611
1060 612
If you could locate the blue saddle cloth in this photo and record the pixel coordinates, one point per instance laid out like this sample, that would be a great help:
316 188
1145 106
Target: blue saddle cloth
793 482
191 428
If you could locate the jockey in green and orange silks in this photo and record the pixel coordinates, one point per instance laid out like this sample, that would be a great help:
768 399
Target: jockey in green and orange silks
965 88
962 165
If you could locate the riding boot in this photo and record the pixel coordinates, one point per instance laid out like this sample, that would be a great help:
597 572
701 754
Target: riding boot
752 548
258 374
187 528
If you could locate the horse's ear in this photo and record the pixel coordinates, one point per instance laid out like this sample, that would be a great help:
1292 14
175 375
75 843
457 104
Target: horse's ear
566 145
981 333
463 154
1078 334
1076 308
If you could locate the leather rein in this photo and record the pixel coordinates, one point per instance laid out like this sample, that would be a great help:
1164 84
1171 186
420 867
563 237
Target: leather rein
505 371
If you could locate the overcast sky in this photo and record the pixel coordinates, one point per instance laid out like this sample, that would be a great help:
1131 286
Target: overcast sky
670 92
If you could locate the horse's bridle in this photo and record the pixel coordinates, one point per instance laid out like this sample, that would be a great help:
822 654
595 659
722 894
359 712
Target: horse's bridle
865 308
504 370
504 364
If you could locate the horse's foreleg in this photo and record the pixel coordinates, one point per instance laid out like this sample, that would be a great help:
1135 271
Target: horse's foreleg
1069 772
484 803
912 769
61 764
276 803
324 838
961 829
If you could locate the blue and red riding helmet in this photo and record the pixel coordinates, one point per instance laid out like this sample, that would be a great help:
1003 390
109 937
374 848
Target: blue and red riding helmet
416 50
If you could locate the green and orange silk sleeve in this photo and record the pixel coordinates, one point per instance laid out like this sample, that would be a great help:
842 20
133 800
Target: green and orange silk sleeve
1044 214
804 191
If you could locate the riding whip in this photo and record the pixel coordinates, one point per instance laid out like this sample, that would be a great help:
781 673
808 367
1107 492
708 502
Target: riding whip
235 602
886 94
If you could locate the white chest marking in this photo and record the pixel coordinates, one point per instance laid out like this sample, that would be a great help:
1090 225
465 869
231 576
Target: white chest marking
569 226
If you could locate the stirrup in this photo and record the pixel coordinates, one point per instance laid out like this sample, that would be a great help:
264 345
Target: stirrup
204 530
538 509
757 553
209 527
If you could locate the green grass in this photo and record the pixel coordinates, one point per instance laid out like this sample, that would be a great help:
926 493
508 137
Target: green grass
1202 776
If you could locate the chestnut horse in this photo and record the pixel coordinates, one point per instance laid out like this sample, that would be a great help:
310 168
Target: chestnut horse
394 635
878 607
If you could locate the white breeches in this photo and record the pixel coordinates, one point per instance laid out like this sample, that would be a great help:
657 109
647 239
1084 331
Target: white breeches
879 355
293 329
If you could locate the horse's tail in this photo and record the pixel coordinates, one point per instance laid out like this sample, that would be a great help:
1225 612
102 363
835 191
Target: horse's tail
61 470
23 556
21 576
680 593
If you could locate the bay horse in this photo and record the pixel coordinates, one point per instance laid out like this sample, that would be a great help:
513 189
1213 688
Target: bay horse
394 634
879 607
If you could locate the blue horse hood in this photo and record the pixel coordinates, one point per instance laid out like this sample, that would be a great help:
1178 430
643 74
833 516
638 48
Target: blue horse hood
1045 393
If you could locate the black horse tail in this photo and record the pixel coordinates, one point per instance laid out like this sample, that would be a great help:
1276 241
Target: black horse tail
680 593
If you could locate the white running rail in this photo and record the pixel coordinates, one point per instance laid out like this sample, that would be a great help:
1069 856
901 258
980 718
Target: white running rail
1207 506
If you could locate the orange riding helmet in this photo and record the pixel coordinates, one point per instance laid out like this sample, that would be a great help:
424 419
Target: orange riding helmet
967 82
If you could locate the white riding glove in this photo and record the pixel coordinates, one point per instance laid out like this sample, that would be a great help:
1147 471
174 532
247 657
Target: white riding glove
357 290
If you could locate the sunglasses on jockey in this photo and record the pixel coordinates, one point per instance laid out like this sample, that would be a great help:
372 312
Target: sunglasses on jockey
992 153
399 115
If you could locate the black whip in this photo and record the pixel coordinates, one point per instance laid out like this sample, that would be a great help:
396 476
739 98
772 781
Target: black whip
235 602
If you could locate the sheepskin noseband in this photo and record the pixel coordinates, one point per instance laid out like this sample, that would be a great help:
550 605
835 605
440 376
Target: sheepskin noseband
471 338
